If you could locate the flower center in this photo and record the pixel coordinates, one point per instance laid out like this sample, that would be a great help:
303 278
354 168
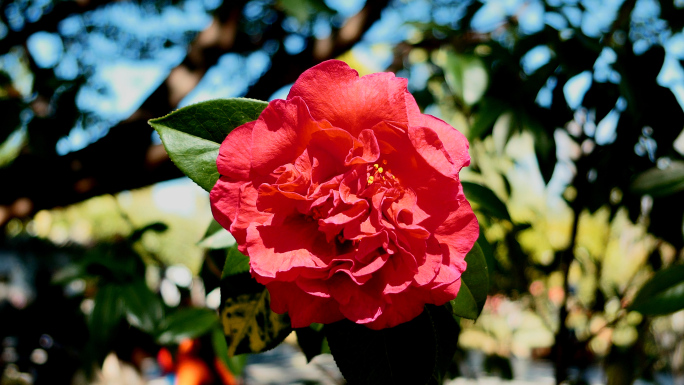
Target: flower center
381 174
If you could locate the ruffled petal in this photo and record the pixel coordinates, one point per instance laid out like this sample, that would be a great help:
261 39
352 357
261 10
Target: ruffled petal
334 92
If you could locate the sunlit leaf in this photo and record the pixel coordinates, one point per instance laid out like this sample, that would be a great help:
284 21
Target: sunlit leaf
187 323
659 182
415 352
248 322
474 286
662 294
192 135
487 201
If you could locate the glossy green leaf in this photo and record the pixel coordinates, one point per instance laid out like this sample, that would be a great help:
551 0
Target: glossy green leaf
236 263
662 294
216 237
659 182
474 286
248 322
143 308
415 352
192 135
187 323
486 200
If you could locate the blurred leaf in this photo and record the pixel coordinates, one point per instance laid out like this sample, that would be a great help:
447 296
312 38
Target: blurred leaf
236 263
660 182
108 311
489 110
474 286
186 323
662 294
544 146
157 227
487 201
143 308
237 363
467 77
12 146
415 352
192 135
248 322
216 237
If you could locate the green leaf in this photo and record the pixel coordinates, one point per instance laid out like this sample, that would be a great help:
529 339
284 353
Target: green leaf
485 198
467 77
415 352
236 263
248 322
192 135
660 182
216 237
143 308
474 286
662 294
107 312
186 323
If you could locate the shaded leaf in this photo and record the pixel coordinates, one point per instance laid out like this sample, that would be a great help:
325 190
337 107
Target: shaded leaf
216 237
487 201
474 286
248 322
186 323
415 352
662 294
660 182
192 135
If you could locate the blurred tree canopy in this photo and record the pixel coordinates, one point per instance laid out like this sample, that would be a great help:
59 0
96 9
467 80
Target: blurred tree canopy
573 110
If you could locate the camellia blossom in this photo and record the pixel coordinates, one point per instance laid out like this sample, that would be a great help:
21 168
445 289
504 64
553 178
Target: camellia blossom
347 200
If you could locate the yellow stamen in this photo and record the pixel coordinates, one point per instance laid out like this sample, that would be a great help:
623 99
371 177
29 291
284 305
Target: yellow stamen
380 170
375 165
370 179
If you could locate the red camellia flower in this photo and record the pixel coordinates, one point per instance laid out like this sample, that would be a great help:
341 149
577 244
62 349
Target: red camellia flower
347 200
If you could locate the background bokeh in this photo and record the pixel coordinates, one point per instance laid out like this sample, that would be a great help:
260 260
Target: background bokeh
573 109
